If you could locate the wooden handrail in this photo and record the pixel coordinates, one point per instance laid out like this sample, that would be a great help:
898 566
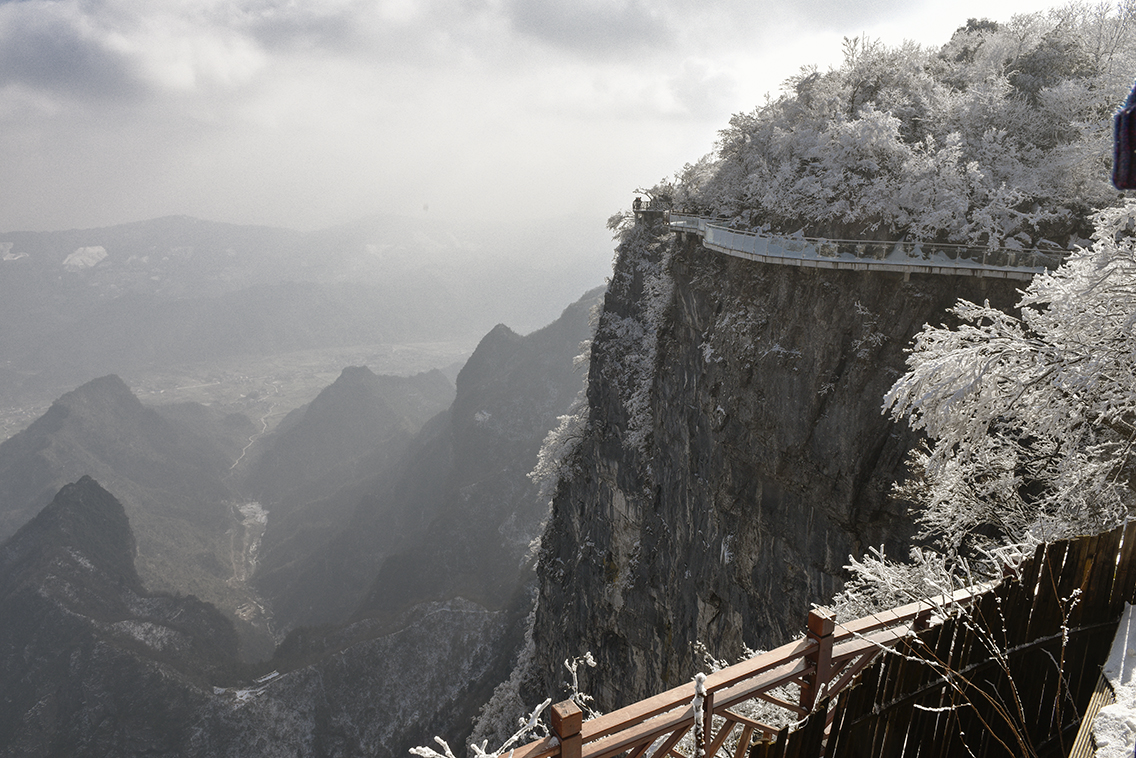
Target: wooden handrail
842 650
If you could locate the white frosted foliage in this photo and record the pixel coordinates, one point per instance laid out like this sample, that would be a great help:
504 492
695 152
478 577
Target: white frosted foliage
630 342
1032 418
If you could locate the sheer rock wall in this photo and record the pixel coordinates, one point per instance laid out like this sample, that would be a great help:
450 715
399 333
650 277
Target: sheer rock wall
736 455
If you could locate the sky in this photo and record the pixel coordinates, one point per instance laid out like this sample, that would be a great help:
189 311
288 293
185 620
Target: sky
310 113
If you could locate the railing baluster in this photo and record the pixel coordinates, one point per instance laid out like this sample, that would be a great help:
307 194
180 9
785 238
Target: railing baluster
641 750
667 748
795 709
720 739
743 741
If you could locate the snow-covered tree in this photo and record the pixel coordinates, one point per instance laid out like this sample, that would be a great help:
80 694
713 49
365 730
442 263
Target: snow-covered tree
1031 425
1000 138
1031 419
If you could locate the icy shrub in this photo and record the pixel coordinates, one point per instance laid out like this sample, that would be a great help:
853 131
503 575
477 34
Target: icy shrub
1032 418
1031 422
1000 138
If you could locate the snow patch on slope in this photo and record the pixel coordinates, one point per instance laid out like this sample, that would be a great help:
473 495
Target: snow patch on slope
85 257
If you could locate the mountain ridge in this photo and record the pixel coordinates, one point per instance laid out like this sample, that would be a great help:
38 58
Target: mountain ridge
169 471
139 298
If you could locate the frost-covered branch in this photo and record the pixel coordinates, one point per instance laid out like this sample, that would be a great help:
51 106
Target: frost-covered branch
581 698
429 752
1031 418
529 727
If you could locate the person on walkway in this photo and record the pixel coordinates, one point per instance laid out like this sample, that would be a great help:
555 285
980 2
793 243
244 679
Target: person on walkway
1124 144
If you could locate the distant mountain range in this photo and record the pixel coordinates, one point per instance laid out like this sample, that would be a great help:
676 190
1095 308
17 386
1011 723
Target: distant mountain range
169 467
456 515
399 519
83 303
315 449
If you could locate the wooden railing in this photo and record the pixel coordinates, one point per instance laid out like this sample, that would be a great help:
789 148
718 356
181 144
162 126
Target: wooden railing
821 663
874 255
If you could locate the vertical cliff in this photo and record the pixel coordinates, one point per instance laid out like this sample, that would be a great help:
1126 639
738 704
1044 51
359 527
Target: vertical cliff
735 455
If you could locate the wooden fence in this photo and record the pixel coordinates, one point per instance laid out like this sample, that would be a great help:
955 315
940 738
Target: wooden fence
1008 671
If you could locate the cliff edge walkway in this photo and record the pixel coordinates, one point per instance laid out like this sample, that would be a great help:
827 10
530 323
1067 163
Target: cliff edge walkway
866 255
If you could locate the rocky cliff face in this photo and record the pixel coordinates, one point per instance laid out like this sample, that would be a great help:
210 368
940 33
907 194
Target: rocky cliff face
454 513
93 663
735 455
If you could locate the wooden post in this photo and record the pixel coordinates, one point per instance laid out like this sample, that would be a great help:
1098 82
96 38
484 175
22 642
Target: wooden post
822 623
566 720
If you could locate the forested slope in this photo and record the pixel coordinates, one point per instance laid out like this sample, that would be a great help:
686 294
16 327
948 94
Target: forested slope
1001 137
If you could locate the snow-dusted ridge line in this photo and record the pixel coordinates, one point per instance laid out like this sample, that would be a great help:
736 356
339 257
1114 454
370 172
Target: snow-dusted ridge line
863 255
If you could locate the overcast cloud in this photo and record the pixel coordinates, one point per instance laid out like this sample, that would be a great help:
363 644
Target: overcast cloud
306 113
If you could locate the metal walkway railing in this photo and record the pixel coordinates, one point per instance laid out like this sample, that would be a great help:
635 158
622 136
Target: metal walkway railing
868 255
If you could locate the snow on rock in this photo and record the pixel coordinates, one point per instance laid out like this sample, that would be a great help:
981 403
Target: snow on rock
80 559
154 636
351 703
253 513
85 257
1114 728
7 254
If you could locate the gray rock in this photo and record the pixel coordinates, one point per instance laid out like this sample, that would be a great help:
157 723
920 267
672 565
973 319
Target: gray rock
736 456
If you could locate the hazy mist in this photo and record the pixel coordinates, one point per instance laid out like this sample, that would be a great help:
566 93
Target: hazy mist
306 115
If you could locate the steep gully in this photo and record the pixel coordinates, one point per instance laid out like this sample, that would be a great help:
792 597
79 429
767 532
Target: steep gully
249 522
263 428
